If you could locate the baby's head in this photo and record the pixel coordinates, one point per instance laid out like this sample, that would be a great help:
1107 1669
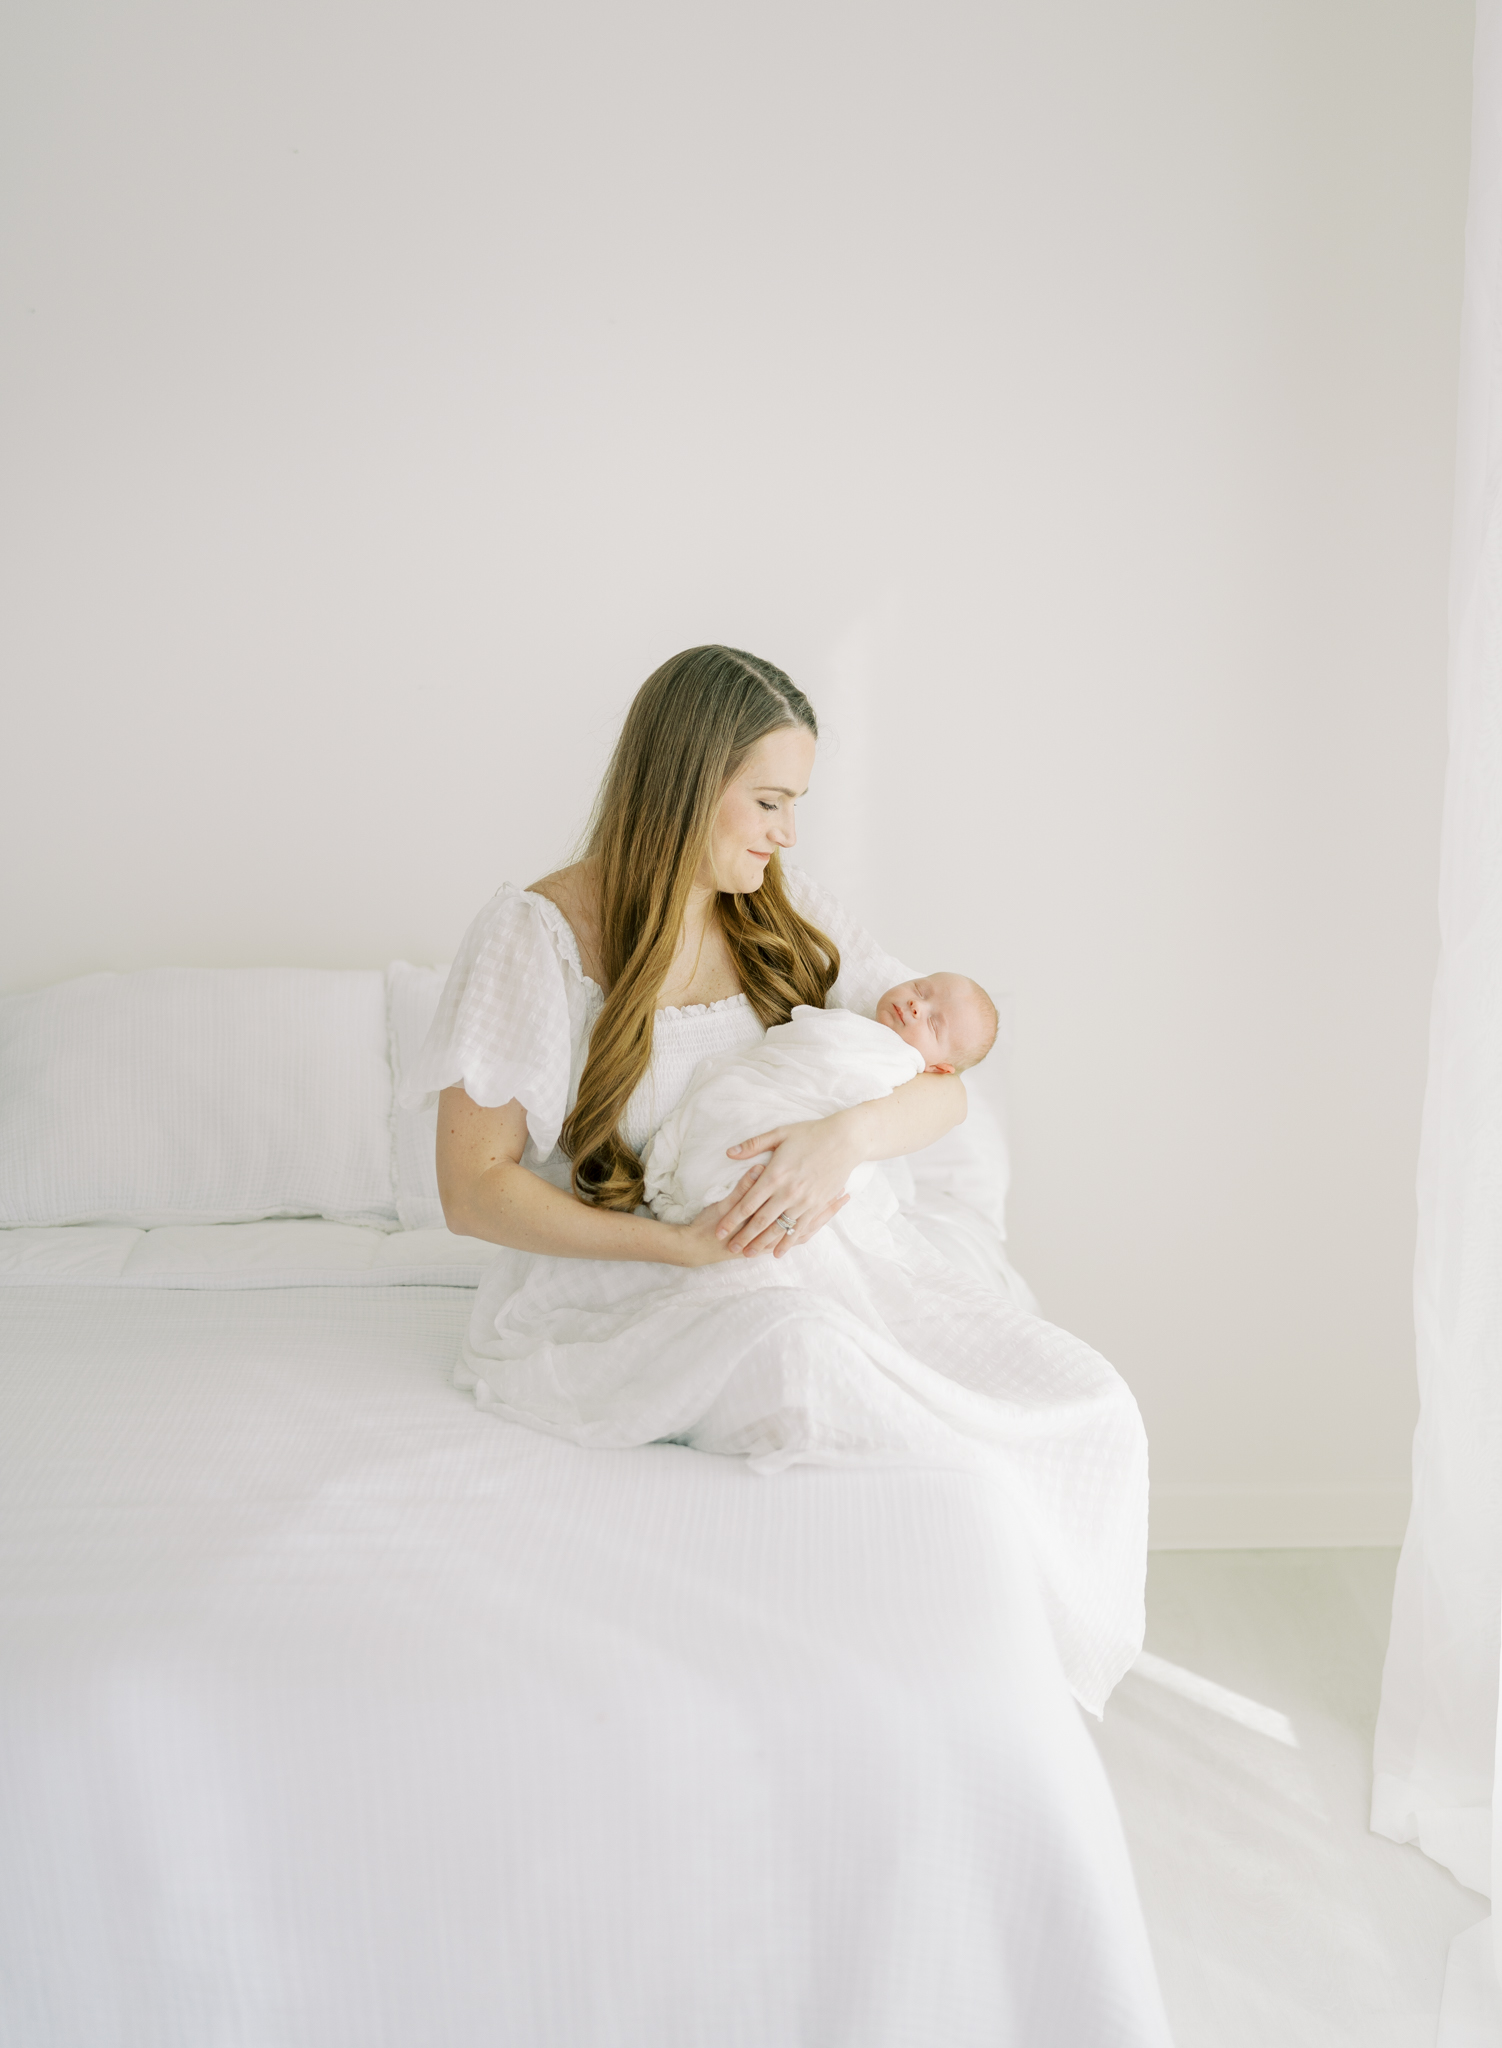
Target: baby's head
947 1017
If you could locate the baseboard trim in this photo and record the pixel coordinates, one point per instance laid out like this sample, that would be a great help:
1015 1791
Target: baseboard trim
1277 1517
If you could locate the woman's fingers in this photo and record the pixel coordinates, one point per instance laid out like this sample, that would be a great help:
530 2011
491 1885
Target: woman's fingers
742 1204
765 1232
807 1167
761 1221
764 1210
762 1231
808 1225
767 1142
727 1214
710 1219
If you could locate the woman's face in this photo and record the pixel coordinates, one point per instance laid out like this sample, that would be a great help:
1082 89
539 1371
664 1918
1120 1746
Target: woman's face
756 811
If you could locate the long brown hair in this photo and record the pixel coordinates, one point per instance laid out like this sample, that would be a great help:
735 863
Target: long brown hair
687 733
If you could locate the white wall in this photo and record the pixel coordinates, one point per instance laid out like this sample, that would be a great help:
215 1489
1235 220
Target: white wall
1064 395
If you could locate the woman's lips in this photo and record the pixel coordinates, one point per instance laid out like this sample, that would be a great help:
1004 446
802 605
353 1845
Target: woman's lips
757 856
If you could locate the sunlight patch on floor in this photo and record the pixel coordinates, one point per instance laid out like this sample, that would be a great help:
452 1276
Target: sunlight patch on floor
1204 1692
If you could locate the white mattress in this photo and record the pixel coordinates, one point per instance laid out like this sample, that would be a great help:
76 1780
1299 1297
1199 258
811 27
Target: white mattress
281 1253
335 1712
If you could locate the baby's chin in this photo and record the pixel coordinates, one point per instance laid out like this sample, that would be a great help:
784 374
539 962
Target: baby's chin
887 1025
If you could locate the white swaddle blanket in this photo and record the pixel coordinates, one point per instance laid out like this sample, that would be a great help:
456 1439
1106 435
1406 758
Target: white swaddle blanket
818 1062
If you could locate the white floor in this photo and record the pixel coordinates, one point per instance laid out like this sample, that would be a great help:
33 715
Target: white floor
1278 1919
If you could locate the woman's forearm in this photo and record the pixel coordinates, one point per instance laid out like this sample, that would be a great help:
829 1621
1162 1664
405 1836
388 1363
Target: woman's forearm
911 1117
508 1205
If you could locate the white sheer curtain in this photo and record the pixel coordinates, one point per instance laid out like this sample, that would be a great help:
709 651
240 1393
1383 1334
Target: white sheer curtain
1436 1736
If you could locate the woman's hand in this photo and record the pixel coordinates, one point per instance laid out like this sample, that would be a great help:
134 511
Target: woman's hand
696 1243
804 1179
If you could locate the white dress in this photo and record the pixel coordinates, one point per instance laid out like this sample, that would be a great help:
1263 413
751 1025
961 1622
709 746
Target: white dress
863 1347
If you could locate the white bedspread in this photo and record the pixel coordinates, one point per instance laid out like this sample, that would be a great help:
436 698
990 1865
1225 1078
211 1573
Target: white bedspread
336 1716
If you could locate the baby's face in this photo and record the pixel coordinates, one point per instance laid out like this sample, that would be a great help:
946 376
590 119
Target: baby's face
938 1015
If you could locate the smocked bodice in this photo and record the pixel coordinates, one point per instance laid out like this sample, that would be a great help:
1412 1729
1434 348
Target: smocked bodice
680 1039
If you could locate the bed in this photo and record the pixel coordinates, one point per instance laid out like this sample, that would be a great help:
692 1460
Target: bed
336 1712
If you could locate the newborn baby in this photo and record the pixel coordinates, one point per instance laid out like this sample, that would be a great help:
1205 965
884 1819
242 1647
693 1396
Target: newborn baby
818 1062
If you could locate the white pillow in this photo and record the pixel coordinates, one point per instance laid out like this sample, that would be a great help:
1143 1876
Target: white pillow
969 1163
197 1095
411 998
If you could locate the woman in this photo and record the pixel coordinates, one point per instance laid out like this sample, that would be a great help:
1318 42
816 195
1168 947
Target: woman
573 1017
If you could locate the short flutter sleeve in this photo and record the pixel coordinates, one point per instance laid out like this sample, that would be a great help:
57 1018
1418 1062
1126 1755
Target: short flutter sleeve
866 969
514 1013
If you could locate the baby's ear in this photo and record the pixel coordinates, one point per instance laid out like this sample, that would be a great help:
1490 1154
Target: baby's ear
943 1067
